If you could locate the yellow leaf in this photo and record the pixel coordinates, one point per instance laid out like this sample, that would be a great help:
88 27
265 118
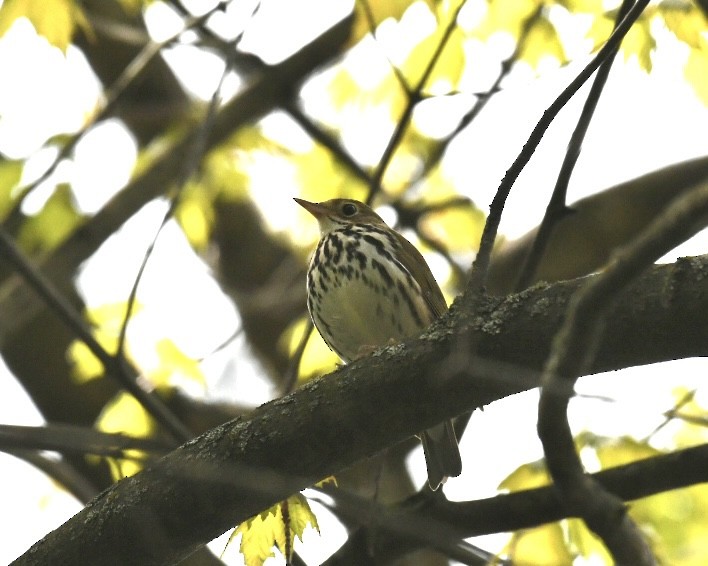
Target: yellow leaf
318 164
300 516
458 228
317 357
47 229
448 66
693 418
380 10
686 21
600 29
506 16
173 361
328 479
541 42
110 316
544 545
276 527
124 414
624 450
106 321
195 215
342 88
526 476
586 542
695 73
640 43
55 20
583 6
84 365
675 524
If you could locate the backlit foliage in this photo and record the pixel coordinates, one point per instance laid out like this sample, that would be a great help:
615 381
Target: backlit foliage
408 77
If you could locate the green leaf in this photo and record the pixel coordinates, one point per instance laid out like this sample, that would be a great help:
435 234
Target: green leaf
56 20
10 173
53 224
133 6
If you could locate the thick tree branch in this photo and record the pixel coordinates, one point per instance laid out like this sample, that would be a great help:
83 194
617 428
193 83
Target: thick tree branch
238 469
583 241
506 512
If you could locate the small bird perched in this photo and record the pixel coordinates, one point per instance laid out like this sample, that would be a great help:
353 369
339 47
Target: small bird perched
368 286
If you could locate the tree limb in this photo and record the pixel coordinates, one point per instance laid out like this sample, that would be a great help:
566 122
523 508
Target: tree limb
238 469
504 512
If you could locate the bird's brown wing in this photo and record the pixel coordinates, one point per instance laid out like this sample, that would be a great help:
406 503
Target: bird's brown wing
414 262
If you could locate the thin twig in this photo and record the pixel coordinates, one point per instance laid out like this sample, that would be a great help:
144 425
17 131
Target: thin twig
481 265
110 97
371 22
290 378
414 96
60 471
116 367
573 351
190 164
67 438
512 511
327 140
411 525
557 209
482 98
673 413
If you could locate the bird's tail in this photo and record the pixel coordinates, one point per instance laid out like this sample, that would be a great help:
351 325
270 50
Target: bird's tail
442 455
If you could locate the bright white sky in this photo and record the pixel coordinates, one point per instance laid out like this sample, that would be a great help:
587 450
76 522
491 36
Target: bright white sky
643 122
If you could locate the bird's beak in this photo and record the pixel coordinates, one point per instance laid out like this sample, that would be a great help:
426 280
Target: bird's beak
314 208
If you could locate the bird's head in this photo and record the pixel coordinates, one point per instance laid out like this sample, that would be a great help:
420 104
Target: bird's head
339 213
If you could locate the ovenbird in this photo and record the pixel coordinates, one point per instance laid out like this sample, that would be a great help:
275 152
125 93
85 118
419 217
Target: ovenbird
367 286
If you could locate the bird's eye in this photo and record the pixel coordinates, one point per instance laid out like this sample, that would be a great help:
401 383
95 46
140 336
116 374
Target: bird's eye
349 209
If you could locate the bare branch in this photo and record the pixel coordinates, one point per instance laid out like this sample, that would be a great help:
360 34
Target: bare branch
481 265
236 470
574 349
18 304
506 512
117 366
414 97
557 207
69 438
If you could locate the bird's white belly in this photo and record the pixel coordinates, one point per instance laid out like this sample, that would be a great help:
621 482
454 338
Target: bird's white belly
359 317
